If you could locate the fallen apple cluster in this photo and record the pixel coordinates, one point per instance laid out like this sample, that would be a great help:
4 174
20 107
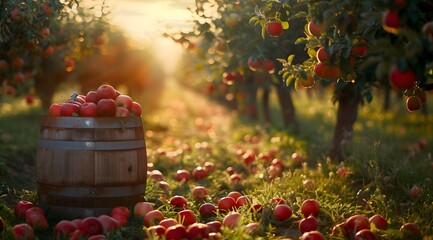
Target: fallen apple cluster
106 101
92 228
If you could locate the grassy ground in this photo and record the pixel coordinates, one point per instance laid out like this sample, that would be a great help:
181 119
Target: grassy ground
189 131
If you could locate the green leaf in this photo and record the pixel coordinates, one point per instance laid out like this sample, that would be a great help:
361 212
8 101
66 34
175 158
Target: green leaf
285 25
263 32
301 40
297 86
290 79
290 59
253 19
312 52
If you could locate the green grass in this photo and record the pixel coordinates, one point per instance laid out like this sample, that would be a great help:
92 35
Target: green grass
189 131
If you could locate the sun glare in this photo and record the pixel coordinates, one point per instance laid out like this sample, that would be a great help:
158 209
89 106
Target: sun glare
145 22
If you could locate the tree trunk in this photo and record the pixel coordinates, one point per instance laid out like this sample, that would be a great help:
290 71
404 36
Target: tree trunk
266 108
386 99
347 113
287 108
49 77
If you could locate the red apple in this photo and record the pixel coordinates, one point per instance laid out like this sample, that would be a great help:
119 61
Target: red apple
197 231
124 101
44 32
168 222
64 229
156 175
242 200
77 235
35 217
277 200
142 208
182 175
365 234
313 235
308 224
122 112
251 227
315 29
91 226
186 217
199 173
153 218
88 109
77 222
226 204
92 96
97 237
10 90
310 207
136 109
274 29
282 212
23 231
207 210
209 167
378 221
200 193
391 21
70 109
214 226
254 63
179 202
106 108
120 210
109 224
340 230
415 191
357 222
106 92
19 77
17 63
21 207
402 79
121 219
47 9
155 232
235 195
177 232
410 230
48 51
16 14
232 220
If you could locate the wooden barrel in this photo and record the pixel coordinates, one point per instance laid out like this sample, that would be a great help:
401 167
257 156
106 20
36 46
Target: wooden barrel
86 166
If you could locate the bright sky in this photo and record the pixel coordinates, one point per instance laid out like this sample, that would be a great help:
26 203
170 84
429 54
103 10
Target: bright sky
147 20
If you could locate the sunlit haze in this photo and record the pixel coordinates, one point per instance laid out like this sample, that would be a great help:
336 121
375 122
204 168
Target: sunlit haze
146 20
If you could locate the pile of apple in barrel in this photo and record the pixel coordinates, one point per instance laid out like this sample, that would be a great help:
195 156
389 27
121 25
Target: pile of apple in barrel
106 101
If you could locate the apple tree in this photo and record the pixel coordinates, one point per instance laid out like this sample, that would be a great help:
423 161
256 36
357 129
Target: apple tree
40 42
359 46
240 57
